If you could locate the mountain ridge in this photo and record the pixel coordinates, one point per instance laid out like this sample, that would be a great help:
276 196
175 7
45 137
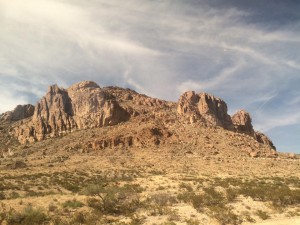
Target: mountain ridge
150 121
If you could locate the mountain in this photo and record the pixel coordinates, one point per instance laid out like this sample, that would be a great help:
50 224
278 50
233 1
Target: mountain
109 155
197 122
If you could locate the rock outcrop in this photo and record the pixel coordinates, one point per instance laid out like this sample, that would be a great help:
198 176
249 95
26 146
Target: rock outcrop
19 113
205 106
213 111
83 105
147 136
262 138
242 122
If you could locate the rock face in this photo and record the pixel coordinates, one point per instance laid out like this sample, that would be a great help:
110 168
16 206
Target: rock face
147 136
93 107
83 105
205 106
213 111
262 138
242 122
19 113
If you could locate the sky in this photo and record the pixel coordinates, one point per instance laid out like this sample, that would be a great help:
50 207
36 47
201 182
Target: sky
245 52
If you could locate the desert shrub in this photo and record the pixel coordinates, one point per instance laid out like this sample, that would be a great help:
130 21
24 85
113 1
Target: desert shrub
14 195
113 200
227 182
197 201
2 195
158 203
214 201
160 188
192 222
185 196
278 195
94 203
275 190
168 223
262 214
137 220
224 215
72 204
29 216
163 199
93 189
247 217
173 215
79 218
231 194
212 197
70 187
186 186
52 207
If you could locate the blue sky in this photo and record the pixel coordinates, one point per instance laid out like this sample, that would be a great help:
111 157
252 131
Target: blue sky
246 52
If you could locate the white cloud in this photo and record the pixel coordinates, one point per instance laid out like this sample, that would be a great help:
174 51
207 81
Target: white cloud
213 83
269 123
9 101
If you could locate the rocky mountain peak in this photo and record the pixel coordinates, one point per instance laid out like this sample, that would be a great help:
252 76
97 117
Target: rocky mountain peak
83 105
204 106
19 113
212 110
53 89
242 122
84 85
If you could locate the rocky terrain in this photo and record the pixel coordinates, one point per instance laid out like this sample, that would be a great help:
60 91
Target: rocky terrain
88 146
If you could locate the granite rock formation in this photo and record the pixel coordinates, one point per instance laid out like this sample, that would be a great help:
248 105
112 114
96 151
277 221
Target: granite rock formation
242 122
19 113
211 110
83 105
263 139
147 121
206 107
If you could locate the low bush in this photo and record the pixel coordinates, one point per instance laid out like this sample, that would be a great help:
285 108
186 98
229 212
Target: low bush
29 216
262 214
113 199
73 204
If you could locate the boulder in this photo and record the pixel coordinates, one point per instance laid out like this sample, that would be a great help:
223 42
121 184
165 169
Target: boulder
242 122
